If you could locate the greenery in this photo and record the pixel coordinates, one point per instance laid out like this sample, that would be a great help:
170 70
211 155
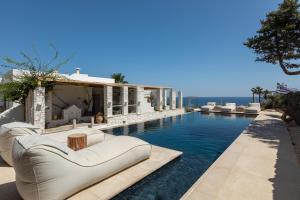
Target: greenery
33 71
278 39
259 91
119 78
277 101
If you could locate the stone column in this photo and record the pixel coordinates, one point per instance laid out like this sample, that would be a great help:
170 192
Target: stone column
159 103
125 100
49 106
173 100
180 100
35 107
165 99
107 101
139 99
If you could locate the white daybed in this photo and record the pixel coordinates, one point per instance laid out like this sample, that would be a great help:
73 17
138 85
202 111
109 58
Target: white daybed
209 107
253 108
8 132
46 169
229 107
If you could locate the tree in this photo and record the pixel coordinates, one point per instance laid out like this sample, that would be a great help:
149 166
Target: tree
266 93
33 71
253 90
278 39
119 78
259 92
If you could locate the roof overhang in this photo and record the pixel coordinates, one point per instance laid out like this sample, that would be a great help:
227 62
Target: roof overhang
99 84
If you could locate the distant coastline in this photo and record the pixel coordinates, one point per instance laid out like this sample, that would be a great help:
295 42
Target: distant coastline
200 101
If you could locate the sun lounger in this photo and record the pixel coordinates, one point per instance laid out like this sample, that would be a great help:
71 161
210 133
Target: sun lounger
229 107
8 132
47 169
209 107
253 108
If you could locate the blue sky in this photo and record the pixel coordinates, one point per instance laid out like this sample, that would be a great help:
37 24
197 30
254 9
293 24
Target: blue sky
193 45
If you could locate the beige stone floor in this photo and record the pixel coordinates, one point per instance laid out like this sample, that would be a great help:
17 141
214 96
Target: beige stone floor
260 164
104 190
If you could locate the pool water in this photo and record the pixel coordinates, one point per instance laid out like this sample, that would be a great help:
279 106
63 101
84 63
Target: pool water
201 137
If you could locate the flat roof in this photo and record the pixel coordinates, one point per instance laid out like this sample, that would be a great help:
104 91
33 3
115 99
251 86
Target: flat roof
95 84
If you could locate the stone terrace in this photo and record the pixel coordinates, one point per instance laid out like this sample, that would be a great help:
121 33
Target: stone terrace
260 164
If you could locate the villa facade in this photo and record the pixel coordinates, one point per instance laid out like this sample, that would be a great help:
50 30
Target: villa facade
81 97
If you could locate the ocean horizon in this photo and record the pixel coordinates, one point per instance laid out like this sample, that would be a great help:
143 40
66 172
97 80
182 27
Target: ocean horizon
200 101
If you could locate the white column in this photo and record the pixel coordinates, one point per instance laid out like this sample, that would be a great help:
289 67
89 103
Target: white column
125 100
165 99
140 99
35 107
107 101
180 100
173 99
159 103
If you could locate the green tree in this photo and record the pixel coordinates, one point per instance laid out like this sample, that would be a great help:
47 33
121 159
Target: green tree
119 77
259 92
278 39
266 93
253 90
33 71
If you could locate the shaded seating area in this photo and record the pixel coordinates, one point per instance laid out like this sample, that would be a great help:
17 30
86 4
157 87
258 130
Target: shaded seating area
253 108
209 107
229 107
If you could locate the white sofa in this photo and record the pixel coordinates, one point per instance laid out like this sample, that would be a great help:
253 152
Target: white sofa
48 170
8 132
229 107
253 108
209 107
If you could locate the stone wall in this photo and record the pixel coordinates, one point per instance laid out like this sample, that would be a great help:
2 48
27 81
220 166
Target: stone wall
136 118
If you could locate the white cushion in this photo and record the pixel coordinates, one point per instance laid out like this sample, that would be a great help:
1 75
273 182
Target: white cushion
8 132
47 172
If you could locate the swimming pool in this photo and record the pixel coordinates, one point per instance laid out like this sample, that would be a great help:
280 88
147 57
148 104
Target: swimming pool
201 137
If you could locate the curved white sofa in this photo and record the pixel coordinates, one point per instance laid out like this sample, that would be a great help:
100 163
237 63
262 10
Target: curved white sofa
210 106
229 107
48 170
253 108
8 132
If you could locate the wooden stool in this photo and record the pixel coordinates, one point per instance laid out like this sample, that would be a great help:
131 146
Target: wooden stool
77 141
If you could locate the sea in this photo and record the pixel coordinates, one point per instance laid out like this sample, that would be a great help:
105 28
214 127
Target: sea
200 101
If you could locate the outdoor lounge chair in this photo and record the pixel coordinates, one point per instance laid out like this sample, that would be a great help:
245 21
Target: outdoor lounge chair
229 107
253 108
8 132
209 107
46 169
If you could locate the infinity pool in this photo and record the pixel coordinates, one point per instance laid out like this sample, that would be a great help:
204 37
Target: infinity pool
201 137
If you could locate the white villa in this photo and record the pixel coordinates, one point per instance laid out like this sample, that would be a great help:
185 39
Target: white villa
81 97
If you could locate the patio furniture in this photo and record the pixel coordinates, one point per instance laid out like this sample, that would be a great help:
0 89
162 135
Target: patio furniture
228 108
209 107
46 169
240 109
8 132
253 108
77 141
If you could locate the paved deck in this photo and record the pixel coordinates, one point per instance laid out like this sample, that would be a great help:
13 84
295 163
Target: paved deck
260 164
103 190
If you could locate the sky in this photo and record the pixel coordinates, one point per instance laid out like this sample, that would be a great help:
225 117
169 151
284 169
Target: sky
192 45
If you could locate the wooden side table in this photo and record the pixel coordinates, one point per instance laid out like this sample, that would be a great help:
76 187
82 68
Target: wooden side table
77 141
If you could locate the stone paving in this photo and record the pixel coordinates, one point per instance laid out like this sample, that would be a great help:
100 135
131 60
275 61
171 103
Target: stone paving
260 164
